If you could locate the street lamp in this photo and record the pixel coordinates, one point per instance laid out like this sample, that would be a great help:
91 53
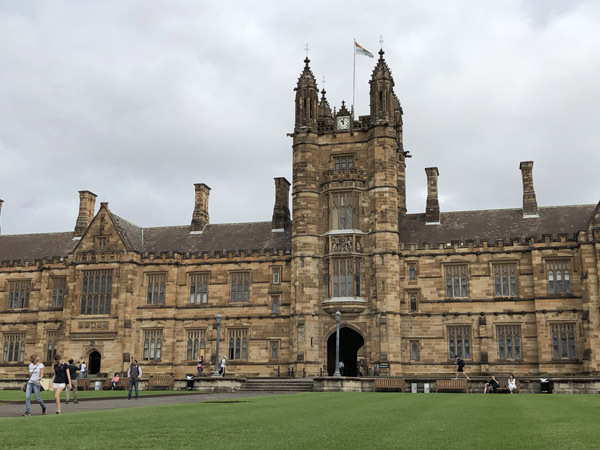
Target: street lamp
216 372
338 317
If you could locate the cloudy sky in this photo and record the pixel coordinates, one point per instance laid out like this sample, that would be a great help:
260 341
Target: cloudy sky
138 100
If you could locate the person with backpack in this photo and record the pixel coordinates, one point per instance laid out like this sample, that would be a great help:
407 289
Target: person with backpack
460 367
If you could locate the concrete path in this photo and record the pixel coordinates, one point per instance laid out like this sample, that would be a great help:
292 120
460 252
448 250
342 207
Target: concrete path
122 402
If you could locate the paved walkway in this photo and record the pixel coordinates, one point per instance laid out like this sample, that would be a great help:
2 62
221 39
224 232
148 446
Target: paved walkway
122 402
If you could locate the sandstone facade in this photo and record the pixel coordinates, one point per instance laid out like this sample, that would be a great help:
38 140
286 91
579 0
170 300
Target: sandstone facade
513 290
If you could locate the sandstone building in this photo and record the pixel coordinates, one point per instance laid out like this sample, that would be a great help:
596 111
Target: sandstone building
511 290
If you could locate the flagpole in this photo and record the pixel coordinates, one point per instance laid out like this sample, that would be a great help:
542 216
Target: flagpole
353 77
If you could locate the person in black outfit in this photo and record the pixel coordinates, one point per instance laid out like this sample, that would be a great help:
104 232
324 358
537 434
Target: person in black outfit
61 379
491 386
73 372
460 367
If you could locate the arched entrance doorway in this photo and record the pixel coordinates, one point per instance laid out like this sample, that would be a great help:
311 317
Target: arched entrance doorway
94 362
350 343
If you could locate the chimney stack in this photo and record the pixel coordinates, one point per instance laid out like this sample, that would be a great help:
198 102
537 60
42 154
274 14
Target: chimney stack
530 207
432 209
87 203
281 210
200 216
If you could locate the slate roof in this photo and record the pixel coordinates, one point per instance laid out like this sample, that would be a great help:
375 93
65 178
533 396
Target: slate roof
28 247
228 237
487 225
491 225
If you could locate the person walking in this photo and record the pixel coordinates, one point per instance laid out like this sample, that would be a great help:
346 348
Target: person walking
36 372
223 364
200 366
73 371
83 370
61 379
134 374
460 367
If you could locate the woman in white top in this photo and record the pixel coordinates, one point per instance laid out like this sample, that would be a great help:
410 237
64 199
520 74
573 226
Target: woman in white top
512 383
36 372
223 362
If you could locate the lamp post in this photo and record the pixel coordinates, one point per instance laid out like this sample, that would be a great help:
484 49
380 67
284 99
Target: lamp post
338 317
216 372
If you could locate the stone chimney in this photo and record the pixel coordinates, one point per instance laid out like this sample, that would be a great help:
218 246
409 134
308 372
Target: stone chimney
281 210
87 203
200 216
530 207
432 209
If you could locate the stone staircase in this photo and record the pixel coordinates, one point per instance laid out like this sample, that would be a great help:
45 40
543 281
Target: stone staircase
278 384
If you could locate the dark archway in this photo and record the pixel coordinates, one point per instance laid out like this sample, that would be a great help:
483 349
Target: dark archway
94 363
350 343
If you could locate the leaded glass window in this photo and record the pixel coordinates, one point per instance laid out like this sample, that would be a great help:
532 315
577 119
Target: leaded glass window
96 291
559 277
509 342
196 342
344 211
14 347
240 287
238 343
199 289
59 286
152 345
456 281
18 294
156 289
459 341
345 277
563 341
505 280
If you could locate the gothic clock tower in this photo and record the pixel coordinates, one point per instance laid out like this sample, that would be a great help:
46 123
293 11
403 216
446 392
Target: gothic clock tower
348 191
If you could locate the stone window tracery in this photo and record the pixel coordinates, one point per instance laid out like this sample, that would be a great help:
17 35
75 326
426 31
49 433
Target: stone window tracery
238 343
96 291
18 294
199 288
153 345
563 341
505 280
559 277
14 347
509 342
156 289
459 341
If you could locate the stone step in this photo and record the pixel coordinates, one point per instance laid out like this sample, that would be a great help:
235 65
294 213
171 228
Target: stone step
286 385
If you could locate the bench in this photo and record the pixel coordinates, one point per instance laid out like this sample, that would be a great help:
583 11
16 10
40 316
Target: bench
503 387
160 381
452 385
83 383
123 383
389 384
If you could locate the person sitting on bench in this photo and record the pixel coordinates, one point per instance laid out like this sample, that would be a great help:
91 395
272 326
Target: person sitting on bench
491 386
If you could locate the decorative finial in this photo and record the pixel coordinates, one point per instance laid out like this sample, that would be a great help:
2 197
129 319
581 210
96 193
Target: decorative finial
381 41
306 49
323 82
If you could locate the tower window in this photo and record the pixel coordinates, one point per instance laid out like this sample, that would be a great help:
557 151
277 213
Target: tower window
345 277
344 211
343 163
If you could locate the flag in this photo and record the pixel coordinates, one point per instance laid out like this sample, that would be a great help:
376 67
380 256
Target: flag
361 50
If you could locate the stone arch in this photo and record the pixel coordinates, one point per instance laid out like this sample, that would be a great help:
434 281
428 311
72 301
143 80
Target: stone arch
351 340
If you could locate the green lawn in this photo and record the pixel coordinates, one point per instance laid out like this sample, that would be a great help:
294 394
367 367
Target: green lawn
327 421
19 396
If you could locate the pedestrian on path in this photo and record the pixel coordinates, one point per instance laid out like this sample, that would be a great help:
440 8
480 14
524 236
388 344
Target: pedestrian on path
134 374
61 379
73 372
83 370
36 372
200 366
223 364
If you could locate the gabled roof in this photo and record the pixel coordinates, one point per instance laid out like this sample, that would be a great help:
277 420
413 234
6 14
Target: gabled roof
491 225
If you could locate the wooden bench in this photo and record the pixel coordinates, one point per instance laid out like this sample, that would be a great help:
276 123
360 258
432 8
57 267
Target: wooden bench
389 384
123 383
452 385
503 385
83 383
160 381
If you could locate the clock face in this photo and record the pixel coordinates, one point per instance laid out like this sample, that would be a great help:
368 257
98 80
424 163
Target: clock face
343 122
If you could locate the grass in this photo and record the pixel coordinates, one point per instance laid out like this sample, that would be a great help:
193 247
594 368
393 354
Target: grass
19 396
327 421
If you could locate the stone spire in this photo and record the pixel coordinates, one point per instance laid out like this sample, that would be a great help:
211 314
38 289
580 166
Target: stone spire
385 106
307 101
